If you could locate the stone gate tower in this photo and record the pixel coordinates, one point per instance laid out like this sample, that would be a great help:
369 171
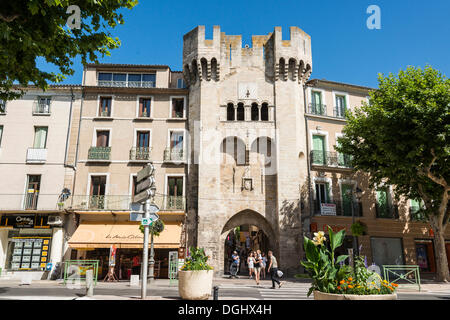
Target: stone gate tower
247 145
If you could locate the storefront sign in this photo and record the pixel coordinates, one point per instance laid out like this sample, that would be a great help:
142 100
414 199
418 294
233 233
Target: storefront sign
327 209
24 221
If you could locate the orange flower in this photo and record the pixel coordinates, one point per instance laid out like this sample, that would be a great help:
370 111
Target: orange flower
394 285
350 279
342 282
350 286
339 287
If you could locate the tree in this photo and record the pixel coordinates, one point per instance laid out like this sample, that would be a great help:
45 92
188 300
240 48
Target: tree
401 138
32 29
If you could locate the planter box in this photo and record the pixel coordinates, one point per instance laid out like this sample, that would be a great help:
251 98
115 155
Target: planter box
331 296
195 285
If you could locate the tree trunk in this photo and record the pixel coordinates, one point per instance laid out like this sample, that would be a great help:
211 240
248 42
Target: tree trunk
442 271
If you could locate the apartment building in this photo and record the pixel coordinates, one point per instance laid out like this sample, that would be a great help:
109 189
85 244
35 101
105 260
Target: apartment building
35 166
395 231
131 115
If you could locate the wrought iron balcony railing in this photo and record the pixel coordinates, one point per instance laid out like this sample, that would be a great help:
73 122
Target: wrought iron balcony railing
41 108
36 155
338 208
386 211
330 159
339 112
173 154
121 203
99 153
140 153
31 200
130 84
317 108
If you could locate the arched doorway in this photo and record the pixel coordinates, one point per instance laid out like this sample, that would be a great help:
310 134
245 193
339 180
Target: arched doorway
244 232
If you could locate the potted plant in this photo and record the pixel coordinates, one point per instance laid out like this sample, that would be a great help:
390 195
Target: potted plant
358 229
332 279
195 277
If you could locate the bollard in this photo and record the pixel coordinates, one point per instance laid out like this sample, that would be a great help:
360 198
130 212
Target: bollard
89 283
216 293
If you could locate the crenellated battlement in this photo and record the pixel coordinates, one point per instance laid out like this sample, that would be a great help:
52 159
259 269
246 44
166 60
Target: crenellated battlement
209 59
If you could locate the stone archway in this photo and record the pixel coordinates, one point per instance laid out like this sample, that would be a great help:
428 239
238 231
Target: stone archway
246 217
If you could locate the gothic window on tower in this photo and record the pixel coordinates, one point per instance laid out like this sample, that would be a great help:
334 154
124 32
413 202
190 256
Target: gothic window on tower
264 112
240 112
230 112
255 112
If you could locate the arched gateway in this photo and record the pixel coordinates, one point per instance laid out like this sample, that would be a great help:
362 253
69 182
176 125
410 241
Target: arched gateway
262 236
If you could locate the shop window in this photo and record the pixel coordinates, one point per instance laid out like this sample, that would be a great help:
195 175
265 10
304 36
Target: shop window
425 255
28 253
387 251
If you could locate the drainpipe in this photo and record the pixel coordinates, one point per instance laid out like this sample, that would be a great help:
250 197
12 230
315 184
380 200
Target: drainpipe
68 127
77 148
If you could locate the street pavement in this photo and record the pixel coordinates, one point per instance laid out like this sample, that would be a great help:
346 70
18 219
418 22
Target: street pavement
162 289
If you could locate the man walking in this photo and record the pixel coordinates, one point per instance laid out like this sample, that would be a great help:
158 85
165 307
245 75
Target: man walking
273 269
234 264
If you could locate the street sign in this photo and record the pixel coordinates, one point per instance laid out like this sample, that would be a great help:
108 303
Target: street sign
145 184
153 217
146 221
136 207
136 216
145 172
144 195
153 208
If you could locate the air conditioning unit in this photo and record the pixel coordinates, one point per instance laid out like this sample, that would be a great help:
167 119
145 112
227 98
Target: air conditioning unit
55 220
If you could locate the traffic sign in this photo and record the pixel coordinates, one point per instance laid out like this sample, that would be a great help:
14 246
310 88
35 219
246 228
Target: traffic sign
145 172
144 195
153 208
145 184
146 221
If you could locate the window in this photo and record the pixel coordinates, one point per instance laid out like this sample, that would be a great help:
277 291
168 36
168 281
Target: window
134 80
177 107
387 251
148 80
105 107
322 194
317 106
144 107
143 139
40 137
240 112
104 76
120 79
341 106
32 193
27 253
102 138
347 200
264 112
175 150
175 193
97 192
230 112
2 106
384 206
425 255
255 112
318 152
43 105
181 84
124 79
1 135
415 207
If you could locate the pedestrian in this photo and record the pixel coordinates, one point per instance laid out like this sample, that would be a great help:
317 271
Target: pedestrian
273 269
263 264
136 266
234 264
250 263
258 260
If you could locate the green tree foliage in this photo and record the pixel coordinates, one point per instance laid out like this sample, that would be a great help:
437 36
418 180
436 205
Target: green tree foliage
31 29
401 138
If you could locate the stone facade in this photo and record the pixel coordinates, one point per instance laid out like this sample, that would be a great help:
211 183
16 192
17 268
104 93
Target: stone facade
226 151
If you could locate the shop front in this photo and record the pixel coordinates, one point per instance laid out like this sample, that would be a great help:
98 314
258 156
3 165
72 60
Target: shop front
29 244
93 241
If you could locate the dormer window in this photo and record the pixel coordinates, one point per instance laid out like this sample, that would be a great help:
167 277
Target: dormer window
132 80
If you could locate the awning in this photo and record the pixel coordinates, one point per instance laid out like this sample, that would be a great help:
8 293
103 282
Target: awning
122 236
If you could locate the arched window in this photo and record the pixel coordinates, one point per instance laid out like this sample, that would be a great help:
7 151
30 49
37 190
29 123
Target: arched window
291 69
255 112
214 69
240 112
204 64
282 68
230 112
264 112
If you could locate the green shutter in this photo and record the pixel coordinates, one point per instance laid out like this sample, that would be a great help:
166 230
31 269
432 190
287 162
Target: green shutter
327 192
347 199
318 149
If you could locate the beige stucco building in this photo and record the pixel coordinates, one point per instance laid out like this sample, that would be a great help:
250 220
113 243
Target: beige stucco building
35 166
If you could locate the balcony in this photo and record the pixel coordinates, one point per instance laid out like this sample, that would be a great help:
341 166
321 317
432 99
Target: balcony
99 153
339 113
36 155
175 155
330 159
120 203
386 211
41 108
31 200
317 109
129 84
140 154
341 208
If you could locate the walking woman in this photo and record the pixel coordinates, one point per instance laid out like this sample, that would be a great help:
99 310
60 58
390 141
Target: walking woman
258 260
250 263
263 264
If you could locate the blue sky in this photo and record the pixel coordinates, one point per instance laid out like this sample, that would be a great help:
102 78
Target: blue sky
413 32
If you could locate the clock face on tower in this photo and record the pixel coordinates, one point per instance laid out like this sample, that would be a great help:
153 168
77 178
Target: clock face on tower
247 91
